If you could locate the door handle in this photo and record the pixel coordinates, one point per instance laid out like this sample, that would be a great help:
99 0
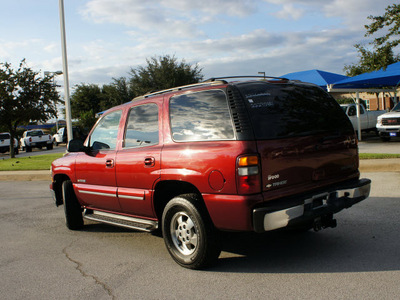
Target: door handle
109 163
149 161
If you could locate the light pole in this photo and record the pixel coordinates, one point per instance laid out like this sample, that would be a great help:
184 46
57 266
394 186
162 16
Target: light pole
53 74
68 117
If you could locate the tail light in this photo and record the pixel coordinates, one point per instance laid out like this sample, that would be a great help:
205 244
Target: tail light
30 140
248 174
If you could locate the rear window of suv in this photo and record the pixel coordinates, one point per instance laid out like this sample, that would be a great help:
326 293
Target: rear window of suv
201 116
4 136
280 111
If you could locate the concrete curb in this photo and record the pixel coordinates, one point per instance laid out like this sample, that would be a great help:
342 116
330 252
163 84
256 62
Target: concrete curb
25 175
366 165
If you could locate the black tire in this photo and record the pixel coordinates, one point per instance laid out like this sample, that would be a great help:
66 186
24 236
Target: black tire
49 146
72 208
28 149
189 234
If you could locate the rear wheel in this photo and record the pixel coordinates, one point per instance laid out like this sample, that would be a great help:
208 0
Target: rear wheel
28 149
72 208
49 146
189 234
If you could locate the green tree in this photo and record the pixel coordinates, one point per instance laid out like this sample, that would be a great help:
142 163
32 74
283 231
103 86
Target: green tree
24 97
163 72
116 93
381 51
390 24
371 60
85 103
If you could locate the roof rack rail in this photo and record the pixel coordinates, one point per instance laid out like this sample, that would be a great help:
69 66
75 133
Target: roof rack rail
179 88
234 77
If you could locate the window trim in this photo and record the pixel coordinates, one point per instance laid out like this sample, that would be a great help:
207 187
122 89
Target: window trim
202 140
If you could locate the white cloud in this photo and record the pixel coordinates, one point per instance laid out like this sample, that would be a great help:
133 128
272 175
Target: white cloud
289 11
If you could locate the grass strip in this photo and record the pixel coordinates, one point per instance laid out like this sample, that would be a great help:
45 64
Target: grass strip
378 155
43 162
37 162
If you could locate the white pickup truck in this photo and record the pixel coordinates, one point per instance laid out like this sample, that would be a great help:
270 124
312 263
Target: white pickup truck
368 119
35 139
388 124
5 143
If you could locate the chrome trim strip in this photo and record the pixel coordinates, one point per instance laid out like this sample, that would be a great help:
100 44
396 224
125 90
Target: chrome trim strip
97 193
130 197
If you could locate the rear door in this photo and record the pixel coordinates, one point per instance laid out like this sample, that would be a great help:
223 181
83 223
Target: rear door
303 136
139 161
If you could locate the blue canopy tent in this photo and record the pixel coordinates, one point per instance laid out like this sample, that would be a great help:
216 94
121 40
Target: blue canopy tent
387 80
376 79
317 77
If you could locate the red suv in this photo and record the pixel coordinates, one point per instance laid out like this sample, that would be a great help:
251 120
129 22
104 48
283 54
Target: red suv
255 155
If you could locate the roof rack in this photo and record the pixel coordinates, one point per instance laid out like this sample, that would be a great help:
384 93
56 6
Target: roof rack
179 88
235 77
210 81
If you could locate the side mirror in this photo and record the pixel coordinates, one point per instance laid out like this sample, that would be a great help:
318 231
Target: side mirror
75 145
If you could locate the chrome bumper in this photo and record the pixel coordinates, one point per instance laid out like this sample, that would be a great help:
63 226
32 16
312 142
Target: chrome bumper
310 208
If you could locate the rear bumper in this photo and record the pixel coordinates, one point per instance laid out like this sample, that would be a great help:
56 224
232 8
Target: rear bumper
312 207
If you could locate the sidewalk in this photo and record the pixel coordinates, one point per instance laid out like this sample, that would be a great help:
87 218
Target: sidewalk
366 165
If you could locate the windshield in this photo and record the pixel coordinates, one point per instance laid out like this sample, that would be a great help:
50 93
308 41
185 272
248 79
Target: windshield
397 107
280 111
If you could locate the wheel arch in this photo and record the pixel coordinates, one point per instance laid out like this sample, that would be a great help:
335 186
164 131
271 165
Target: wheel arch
57 187
166 190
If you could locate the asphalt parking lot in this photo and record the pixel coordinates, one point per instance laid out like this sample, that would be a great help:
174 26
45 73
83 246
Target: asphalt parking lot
41 259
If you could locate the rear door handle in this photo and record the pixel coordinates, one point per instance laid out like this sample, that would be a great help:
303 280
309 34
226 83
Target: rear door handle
149 161
109 163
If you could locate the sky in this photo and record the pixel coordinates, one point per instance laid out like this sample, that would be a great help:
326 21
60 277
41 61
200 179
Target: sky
106 38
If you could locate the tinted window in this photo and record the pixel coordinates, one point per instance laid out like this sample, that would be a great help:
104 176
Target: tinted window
142 126
279 111
105 134
4 136
201 116
352 111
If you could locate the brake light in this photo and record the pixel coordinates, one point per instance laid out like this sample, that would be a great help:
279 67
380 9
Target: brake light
30 140
248 174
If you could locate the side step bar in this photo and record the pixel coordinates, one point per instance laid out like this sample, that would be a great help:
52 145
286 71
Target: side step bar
122 221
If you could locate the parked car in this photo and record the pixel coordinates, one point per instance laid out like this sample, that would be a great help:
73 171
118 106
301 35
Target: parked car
61 135
388 124
5 138
368 118
215 156
35 139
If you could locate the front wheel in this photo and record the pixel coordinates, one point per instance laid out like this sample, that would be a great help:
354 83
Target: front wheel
189 234
72 208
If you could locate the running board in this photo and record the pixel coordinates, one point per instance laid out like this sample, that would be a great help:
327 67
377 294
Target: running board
119 220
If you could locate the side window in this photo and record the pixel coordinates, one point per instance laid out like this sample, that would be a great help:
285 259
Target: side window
105 134
142 126
352 111
201 116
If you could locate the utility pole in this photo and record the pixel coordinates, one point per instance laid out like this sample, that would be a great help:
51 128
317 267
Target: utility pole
68 117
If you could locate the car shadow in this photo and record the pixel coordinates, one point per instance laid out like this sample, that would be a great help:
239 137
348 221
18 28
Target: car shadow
366 240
